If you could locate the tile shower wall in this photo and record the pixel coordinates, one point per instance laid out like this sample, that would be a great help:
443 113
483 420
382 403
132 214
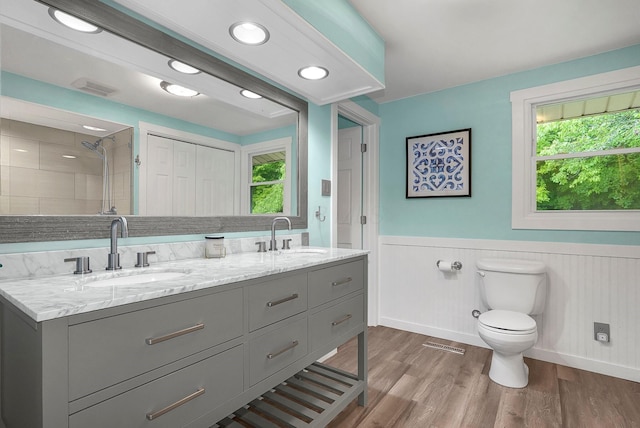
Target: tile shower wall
35 178
587 284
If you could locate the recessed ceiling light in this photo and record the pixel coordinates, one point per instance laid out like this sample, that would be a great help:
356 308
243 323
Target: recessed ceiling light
178 90
249 94
249 33
68 156
182 67
94 128
73 22
313 72
21 150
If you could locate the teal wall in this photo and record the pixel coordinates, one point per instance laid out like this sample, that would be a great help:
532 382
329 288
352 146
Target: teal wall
342 24
38 92
485 107
319 169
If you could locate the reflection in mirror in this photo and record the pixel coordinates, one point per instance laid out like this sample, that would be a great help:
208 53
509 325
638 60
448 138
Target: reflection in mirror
190 152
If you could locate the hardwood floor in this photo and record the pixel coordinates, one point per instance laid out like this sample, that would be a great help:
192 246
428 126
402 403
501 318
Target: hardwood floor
414 386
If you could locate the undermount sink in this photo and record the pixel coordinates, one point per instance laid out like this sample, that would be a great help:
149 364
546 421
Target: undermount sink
136 279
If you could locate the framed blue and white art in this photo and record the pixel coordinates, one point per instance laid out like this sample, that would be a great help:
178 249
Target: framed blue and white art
439 164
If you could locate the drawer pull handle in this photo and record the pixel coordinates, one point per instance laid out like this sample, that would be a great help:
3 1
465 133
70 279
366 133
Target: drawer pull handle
170 407
154 340
286 299
282 351
341 281
341 320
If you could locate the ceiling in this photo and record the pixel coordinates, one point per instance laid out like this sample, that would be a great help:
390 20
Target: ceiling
293 43
438 44
37 47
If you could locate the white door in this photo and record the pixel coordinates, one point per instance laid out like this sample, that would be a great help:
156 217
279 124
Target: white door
215 192
184 179
159 192
171 179
349 187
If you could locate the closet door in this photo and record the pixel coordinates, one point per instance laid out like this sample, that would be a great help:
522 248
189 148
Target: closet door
184 179
171 177
214 181
159 191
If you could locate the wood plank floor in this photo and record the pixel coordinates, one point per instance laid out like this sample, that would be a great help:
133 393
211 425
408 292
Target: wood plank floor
414 386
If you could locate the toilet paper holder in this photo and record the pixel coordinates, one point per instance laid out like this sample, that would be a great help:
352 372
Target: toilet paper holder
454 265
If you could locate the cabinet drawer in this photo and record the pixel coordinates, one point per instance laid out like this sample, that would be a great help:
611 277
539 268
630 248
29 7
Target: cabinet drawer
336 281
275 300
210 383
110 350
276 350
332 322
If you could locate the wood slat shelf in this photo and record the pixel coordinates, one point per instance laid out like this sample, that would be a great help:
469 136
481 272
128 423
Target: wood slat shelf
310 398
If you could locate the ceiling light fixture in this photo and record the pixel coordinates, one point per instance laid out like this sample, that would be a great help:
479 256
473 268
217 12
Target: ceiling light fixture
94 128
248 94
313 72
68 156
178 90
249 33
182 67
73 22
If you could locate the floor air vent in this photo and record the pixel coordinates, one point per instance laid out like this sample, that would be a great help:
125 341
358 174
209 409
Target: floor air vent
444 347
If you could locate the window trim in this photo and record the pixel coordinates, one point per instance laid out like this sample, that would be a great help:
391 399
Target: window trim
523 104
247 152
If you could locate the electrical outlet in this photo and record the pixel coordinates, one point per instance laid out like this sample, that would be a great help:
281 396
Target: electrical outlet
601 332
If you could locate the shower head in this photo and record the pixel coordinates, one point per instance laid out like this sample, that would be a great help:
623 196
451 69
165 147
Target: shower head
93 147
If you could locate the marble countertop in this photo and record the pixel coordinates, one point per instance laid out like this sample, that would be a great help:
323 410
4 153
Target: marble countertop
48 297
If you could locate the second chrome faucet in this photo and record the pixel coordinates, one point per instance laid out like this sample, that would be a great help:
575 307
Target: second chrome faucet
273 246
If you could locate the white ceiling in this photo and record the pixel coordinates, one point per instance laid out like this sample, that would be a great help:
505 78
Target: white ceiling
35 46
293 43
437 44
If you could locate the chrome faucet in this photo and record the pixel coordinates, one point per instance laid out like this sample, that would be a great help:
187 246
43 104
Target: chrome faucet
113 261
272 245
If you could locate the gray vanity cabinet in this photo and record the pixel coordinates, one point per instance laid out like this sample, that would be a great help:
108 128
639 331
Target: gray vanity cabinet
204 384
189 359
110 350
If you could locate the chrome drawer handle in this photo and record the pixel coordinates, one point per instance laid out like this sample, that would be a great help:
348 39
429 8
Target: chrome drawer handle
154 340
286 299
170 407
341 320
282 351
341 281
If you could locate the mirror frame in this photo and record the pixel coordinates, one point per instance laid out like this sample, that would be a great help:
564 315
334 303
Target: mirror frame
38 228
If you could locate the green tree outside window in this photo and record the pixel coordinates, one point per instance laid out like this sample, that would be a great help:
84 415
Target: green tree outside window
267 187
589 163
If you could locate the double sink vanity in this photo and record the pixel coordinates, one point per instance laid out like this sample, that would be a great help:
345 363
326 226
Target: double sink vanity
196 342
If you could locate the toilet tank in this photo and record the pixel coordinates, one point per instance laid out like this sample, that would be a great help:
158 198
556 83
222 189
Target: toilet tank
513 284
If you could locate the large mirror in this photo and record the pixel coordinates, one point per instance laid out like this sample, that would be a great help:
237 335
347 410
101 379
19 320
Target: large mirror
171 164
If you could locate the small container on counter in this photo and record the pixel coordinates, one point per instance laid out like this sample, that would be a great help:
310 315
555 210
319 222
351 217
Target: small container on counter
214 247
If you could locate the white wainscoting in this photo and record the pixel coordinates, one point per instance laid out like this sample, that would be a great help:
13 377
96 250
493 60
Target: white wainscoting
587 283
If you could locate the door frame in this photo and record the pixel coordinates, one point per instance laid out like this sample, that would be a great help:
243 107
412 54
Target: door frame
370 190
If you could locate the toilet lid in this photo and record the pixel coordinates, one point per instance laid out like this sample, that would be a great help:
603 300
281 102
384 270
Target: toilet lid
507 320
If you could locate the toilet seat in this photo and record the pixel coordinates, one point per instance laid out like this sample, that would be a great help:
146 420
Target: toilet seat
507 322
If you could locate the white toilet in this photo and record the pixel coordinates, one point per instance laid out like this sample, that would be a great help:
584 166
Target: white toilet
512 290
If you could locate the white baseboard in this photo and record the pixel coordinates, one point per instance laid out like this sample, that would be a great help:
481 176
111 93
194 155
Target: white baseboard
628 373
453 336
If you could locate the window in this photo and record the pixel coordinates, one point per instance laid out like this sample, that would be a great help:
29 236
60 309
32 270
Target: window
267 177
268 172
576 154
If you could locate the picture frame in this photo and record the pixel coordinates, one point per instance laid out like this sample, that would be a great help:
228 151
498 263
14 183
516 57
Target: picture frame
439 165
